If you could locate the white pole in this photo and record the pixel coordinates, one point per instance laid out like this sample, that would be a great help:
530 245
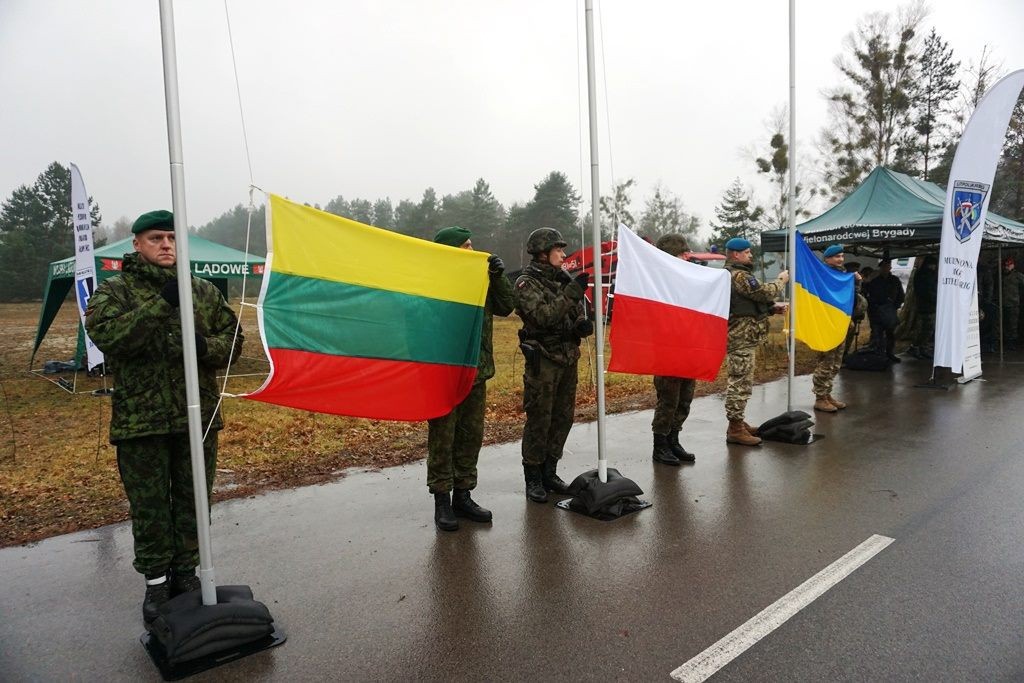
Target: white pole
188 343
792 202
595 213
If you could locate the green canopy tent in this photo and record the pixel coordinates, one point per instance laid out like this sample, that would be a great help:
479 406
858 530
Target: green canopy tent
890 212
210 261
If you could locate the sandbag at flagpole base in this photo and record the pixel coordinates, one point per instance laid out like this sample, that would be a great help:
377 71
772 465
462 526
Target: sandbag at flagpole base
794 426
607 500
188 637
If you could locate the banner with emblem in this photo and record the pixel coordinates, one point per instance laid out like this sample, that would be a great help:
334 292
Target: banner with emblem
85 264
967 198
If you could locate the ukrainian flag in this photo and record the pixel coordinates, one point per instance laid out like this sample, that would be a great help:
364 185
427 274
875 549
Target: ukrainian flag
822 300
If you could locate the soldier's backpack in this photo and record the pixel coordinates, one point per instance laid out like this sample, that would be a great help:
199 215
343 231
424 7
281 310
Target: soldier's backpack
867 359
791 427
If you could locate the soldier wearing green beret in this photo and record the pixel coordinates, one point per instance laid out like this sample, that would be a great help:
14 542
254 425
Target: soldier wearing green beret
551 305
133 318
750 305
453 441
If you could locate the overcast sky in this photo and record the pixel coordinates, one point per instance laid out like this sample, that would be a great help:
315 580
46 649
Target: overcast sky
375 98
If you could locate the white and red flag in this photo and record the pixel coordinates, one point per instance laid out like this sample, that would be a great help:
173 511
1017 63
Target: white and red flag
671 317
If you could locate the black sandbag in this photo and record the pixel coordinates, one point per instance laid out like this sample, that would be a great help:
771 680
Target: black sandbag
186 629
591 495
791 417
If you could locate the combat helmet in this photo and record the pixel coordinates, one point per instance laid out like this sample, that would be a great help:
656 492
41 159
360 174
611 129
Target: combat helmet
673 243
542 240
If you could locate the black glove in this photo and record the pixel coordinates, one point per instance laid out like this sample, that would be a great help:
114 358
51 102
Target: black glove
170 292
584 327
583 279
201 346
495 266
563 276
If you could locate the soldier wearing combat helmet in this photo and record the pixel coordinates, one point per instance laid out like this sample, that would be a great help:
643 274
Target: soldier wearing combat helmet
551 305
133 318
675 394
750 306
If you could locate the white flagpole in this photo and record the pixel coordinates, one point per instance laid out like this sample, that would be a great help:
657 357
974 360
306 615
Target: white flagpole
188 343
595 203
792 202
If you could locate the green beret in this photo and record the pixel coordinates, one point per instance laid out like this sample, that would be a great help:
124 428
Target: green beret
153 220
737 244
453 236
833 250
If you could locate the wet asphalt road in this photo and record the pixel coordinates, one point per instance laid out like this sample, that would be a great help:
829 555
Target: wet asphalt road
367 589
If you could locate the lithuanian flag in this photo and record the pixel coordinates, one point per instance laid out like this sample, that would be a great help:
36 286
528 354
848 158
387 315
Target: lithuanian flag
361 321
822 300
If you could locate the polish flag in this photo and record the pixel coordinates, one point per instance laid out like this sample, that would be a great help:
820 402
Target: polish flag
671 317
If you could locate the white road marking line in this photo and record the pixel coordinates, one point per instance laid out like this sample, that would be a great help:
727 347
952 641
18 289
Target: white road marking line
704 665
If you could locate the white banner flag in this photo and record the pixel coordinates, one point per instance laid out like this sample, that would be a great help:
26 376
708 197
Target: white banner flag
967 198
85 263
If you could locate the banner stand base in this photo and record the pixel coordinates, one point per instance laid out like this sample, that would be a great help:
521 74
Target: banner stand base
942 378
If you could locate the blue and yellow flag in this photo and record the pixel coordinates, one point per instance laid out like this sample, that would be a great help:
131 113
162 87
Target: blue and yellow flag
822 301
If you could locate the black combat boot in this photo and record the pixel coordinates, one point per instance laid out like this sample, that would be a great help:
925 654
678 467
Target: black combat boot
663 452
444 516
183 581
534 487
156 595
550 479
677 448
464 506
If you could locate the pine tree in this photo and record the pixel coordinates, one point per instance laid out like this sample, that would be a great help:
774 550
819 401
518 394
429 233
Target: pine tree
615 209
36 229
775 164
735 216
663 214
937 86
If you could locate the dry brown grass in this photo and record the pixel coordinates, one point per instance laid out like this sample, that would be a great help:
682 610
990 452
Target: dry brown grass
59 474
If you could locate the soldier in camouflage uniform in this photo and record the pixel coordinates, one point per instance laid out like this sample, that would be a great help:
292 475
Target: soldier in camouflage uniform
550 303
133 318
750 306
675 394
829 362
453 441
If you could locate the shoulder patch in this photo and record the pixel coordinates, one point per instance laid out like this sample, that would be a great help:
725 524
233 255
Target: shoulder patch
753 283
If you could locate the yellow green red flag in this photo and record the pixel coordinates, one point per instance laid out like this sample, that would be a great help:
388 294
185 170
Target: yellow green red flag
361 321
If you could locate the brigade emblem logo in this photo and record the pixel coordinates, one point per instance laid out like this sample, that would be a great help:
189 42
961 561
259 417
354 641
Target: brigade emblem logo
968 198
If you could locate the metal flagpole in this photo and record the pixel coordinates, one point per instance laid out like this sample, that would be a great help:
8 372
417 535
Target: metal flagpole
195 429
792 203
595 214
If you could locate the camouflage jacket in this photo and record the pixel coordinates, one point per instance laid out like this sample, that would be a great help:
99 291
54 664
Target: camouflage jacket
549 308
500 301
746 330
140 334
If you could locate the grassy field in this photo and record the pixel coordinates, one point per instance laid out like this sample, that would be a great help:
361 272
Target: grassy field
59 474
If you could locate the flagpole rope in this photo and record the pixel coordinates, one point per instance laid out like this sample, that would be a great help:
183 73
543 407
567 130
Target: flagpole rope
248 226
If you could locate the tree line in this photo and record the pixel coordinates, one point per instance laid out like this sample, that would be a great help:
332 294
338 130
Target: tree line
902 100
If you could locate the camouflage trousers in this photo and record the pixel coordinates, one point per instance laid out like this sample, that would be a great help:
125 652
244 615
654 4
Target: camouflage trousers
675 395
156 472
825 371
549 400
924 337
741 381
453 443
